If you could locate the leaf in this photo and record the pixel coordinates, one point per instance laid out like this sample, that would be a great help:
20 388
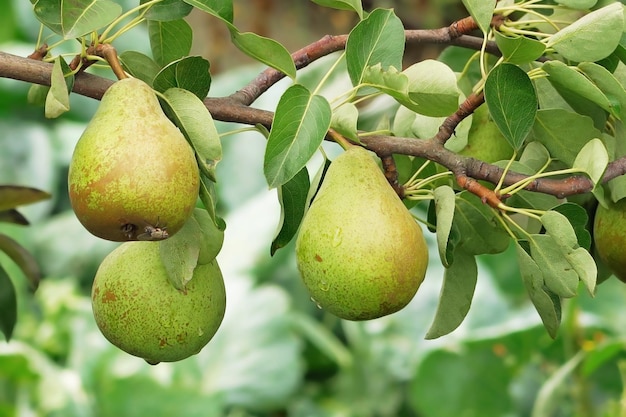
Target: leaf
265 50
578 218
8 305
180 252
459 282
13 216
578 4
167 10
300 124
194 120
58 97
293 201
378 39
139 66
208 196
344 120
37 94
444 208
592 37
512 102
558 274
76 18
548 307
519 49
608 84
567 81
212 236
563 133
592 160
432 88
481 11
190 73
23 259
561 230
12 196
169 40
477 223
222 9
353 5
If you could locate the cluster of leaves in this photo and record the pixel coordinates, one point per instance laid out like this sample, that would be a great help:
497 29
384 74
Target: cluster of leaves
555 92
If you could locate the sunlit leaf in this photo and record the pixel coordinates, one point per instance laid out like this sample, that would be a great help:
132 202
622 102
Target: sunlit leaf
180 252
344 121
459 282
293 200
592 160
222 9
300 124
578 218
481 11
170 40
75 18
512 102
354 5
444 208
592 37
22 258
378 39
578 4
58 97
608 84
8 304
432 88
195 121
212 235
265 50
519 49
558 274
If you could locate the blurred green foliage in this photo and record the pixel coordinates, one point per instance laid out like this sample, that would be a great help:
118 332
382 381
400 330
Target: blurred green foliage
276 353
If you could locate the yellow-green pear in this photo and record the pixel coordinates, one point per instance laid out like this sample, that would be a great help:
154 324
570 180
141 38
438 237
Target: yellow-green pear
360 252
132 176
609 236
138 310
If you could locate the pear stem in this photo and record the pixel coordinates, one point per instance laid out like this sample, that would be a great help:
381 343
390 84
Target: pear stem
340 139
108 52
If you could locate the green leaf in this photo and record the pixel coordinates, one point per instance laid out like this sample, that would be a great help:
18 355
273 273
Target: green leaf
194 120
293 201
608 84
519 49
559 227
378 39
22 258
300 124
578 218
568 81
444 208
139 66
512 102
13 216
265 50
212 236
432 88
208 196
58 97
37 94
478 225
592 160
547 305
578 4
76 18
169 40
344 120
8 304
180 253
354 5
168 10
12 196
592 37
460 380
222 9
563 133
481 11
459 282
190 73
558 274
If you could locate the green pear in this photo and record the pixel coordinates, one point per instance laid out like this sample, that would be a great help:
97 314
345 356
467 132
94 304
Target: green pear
360 252
132 176
139 311
485 142
609 236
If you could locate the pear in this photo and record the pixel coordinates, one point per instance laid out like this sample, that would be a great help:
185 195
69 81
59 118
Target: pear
485 142
360 252
132 176
609 236
139 311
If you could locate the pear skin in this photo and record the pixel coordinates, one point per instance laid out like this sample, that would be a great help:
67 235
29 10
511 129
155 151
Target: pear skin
139 311
132 176
485 142
360 252
609 236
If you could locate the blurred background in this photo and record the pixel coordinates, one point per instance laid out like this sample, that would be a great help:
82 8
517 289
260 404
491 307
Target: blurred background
276 354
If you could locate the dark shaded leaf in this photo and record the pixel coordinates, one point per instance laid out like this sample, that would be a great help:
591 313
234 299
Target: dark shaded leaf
293 200
8 304
23 259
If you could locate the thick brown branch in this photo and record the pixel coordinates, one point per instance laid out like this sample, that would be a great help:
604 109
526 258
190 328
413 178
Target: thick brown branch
447 128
